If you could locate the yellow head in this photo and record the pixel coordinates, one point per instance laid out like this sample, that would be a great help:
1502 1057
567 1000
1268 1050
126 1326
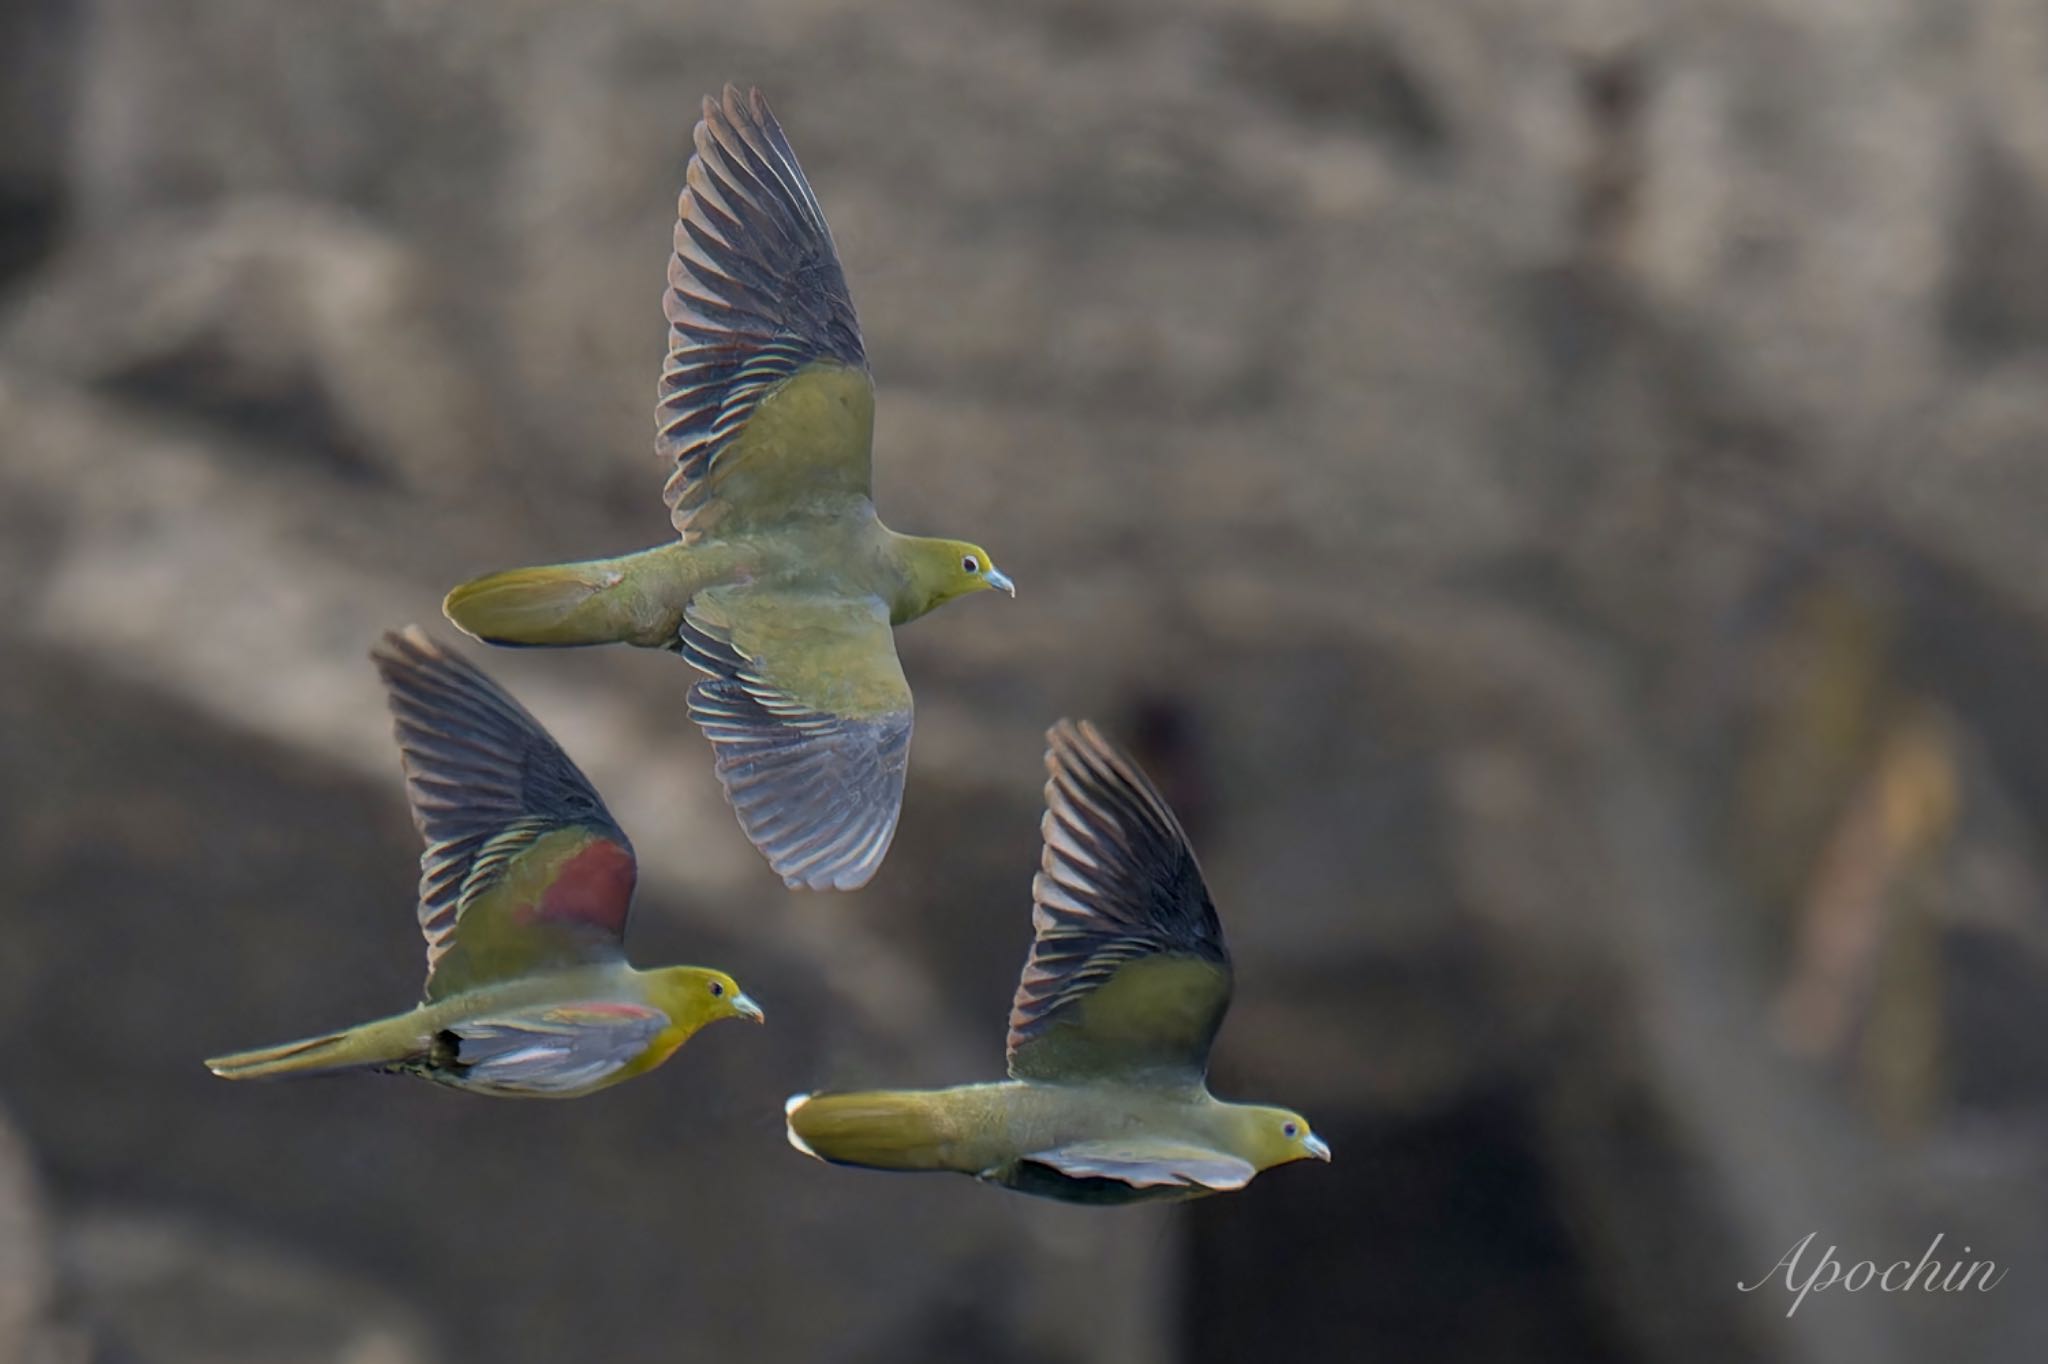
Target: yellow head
939 570
1275 1136
693 995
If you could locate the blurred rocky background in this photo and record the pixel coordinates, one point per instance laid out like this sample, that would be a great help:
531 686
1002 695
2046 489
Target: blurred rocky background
1556 491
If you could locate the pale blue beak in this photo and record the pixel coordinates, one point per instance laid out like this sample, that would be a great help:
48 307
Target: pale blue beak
747 1008
995 577
1316 1147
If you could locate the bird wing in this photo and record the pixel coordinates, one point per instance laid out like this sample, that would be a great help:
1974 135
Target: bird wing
809 713
559 1049
766 406
524 867
1128 975
1144 1163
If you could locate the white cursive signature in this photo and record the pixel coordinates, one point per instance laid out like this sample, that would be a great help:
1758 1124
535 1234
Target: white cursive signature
1929 1276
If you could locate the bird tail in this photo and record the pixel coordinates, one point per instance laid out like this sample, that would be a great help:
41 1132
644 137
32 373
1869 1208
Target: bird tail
599 601
345 1050
879 1129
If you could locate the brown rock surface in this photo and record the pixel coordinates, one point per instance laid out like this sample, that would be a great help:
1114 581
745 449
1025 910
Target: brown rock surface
168 1291
32 1330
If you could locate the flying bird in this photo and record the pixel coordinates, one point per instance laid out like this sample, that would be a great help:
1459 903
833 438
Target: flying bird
524 888
782 584
1128 980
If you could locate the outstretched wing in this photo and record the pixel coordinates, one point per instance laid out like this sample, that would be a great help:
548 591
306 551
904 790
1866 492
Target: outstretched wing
1128 975
766 405
808 712
524 868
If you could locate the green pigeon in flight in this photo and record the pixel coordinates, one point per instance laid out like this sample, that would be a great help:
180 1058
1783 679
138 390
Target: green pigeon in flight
782 584
1108 1098
524 888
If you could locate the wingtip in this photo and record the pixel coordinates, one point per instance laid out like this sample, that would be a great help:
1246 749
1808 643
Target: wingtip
835 866
1056 736
826 881
1067 733
408 644
1078 758
733 97
1078 748
1076 734
735 106
1073 746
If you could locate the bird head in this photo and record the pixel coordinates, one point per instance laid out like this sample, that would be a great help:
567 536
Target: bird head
694 996
1276 1136
941 570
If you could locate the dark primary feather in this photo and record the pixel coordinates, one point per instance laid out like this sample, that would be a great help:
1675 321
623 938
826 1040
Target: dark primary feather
483 778
818 793
755 291
1117 884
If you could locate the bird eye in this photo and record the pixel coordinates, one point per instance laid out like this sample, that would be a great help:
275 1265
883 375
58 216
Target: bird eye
718 990
971 564
1291 1130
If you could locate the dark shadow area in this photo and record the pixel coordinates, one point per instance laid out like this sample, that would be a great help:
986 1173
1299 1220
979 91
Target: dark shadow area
1469 1259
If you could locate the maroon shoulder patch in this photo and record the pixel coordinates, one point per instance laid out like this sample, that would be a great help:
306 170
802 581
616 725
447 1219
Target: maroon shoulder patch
593 886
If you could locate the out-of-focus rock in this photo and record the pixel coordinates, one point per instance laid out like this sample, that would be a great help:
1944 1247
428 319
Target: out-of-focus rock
167 1290
274 320
31 1331
39 42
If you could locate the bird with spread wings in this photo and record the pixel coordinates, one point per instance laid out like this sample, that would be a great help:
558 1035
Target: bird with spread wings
782 583
524 888
1128 979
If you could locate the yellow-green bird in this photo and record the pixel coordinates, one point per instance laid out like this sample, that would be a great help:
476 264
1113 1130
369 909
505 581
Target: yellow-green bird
524 889
783 584
1108 1098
